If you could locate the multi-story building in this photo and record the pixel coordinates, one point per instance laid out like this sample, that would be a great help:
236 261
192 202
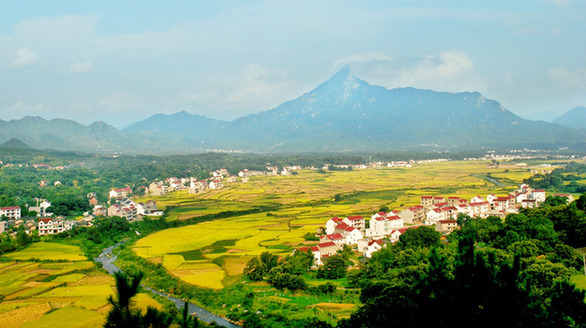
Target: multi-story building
11 212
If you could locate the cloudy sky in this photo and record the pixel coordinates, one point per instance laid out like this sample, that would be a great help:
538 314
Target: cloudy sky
121 61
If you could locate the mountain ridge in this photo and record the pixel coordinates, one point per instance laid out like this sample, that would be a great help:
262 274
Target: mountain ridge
574 118
343 113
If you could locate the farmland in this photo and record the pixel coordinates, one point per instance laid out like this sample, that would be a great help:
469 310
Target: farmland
213 254
51 284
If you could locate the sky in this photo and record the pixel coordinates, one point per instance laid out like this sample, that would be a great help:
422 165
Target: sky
122 61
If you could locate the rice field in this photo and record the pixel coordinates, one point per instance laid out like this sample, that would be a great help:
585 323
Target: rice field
48 251
208 253
43 293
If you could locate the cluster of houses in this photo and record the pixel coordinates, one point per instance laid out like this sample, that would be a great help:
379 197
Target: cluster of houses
438 211
12 221
121 205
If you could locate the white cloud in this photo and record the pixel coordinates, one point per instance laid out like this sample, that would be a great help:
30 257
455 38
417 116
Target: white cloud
81 67
24 57
446 71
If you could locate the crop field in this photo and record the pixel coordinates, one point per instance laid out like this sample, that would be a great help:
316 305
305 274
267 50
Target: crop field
211 254
56 289
48 251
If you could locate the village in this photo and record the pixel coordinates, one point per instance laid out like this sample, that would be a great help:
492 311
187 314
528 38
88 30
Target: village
433 210
367 236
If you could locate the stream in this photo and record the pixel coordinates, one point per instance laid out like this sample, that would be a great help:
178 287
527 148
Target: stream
107 259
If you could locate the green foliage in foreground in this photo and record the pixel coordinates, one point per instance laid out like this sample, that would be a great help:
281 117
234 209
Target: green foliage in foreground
511 273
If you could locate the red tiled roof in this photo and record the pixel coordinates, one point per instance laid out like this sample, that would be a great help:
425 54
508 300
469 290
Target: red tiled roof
46 220
438 197
379 241
453 197
342 226
335 236
414 208
355 218
336 219
441 204
327 244
350 229
8 208
479 204
426 197
394 217
539 190
447 221
314 249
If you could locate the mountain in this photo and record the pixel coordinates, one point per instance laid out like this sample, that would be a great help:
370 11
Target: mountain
14 143
347 113
343 113
61 134
574 118
180 128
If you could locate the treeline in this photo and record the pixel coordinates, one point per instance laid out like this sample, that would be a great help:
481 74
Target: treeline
564 179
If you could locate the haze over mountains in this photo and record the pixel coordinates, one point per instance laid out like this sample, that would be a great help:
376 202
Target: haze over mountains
574 118
344 113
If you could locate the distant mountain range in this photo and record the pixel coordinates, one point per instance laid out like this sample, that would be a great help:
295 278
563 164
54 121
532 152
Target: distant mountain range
574 118
14 144
344 113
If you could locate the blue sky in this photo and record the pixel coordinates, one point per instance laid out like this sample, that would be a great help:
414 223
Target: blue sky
121 61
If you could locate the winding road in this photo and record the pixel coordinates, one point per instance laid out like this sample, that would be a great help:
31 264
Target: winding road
107 259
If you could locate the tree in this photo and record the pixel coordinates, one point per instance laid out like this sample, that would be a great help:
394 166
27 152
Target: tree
555 201
123 316
334 268
419 237
188 321
258 267
22 238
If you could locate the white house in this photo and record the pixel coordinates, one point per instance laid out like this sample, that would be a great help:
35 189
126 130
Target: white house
538 195
477 199
394 236
50 226
393 222
120 193
314 251
480 209
357 222
331 225
336 238
373 246
11 212
434 216
352 236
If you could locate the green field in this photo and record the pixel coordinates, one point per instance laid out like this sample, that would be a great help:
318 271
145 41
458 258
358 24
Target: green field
45 293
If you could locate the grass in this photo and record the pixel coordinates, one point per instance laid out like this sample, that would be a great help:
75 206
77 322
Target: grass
48 251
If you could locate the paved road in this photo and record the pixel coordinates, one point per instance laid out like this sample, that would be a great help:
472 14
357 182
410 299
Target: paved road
107 258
